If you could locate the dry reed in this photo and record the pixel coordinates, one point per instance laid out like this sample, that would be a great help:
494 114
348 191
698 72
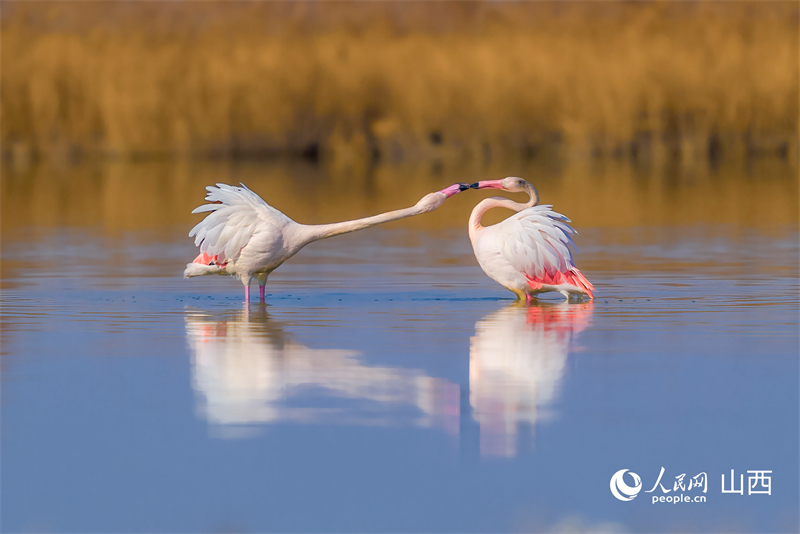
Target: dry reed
400 81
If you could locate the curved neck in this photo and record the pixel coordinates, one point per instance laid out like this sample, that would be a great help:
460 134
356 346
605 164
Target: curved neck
321 231
533 195
485 205
500 202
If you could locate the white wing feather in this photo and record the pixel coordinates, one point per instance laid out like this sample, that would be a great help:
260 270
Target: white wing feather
538 239
233 220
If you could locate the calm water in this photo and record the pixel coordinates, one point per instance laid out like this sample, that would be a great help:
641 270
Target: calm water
388 385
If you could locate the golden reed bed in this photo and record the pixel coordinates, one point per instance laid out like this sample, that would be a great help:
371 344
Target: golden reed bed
399 80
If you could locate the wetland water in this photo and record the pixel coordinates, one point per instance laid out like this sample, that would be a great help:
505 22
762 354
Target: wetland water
388 384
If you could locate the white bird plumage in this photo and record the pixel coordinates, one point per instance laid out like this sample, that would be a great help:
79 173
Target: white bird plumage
531 251
245 237
238 216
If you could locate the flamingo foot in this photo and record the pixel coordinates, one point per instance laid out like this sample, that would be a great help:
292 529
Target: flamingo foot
261 290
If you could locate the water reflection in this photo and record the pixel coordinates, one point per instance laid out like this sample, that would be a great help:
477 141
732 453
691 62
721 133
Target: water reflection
517 360
116 196
246 370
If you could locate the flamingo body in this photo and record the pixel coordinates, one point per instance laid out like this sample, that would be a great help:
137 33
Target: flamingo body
531 251
243 236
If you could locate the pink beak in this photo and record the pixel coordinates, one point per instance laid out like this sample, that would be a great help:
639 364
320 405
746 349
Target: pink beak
453 189
488 184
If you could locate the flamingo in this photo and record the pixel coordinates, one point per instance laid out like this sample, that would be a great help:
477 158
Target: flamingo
529 252
245 237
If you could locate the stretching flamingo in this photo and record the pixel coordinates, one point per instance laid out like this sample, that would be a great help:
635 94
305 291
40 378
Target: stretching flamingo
246 237
528 253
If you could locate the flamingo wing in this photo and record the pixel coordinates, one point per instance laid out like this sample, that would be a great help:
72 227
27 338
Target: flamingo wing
537 242
237 214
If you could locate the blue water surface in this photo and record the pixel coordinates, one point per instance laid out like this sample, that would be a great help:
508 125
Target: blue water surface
388 387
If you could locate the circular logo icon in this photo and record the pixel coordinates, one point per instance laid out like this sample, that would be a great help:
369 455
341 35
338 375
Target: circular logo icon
621 490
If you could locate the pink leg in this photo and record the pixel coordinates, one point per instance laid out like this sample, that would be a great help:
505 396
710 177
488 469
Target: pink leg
261 297
528 299
247 294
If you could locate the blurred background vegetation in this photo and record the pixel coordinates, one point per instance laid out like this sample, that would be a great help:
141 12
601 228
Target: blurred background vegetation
399 81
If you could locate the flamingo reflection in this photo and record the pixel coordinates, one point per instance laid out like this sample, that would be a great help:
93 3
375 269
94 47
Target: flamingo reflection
516 365
246 371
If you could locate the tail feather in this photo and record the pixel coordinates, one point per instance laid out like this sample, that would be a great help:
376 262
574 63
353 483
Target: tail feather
573 277
198 269
204 264
580 281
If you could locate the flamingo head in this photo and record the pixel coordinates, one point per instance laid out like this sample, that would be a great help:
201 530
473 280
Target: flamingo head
431 201
455 188
512 184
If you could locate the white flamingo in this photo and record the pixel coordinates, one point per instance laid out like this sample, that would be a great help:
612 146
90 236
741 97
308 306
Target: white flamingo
528 253
246 237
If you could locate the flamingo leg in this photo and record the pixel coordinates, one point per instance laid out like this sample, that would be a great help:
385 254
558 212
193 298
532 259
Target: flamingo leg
246 278
528 299
262 282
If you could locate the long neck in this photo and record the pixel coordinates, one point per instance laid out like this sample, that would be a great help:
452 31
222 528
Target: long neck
485 205
533 195
500 202
322 231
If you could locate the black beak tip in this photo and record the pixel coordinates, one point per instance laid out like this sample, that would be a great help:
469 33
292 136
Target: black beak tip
463 186
475 185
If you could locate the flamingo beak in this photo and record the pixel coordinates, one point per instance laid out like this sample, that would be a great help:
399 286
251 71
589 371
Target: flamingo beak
455 188
488 184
